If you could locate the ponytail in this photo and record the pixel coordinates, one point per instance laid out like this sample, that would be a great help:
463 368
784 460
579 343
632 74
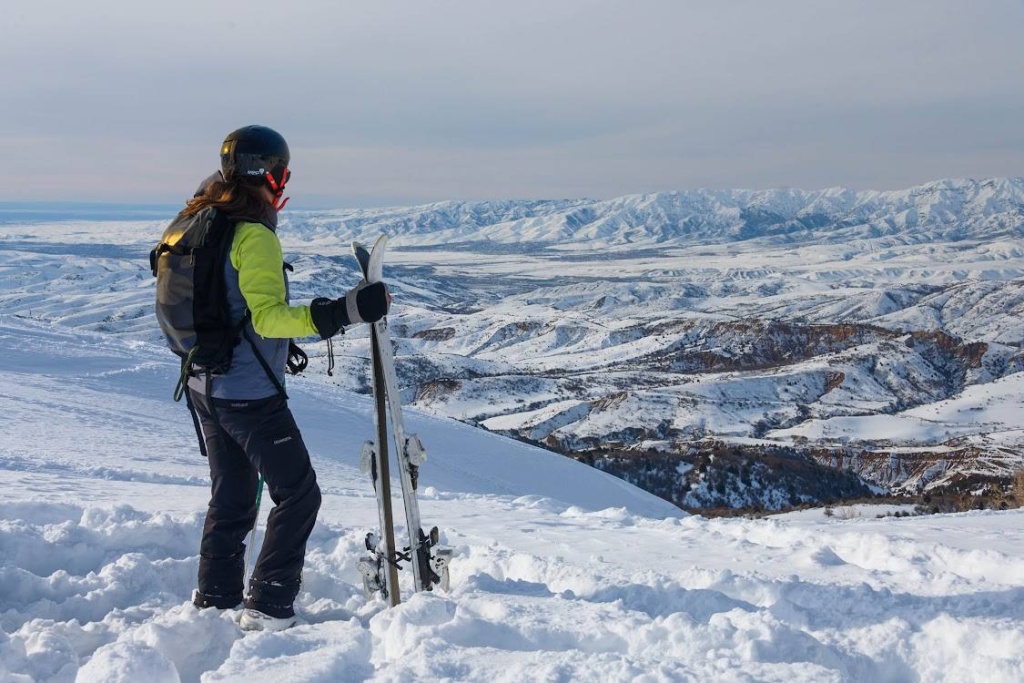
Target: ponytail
232 197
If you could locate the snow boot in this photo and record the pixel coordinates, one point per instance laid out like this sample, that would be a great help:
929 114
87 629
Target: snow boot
203 600
255 620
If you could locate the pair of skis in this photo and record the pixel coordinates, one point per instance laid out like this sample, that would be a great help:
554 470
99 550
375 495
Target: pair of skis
429 563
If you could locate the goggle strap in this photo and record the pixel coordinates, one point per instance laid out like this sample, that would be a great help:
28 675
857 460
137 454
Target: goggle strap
273 183
278 189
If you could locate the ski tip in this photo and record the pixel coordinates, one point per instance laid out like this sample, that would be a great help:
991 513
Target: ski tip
375 265
362 257
380 241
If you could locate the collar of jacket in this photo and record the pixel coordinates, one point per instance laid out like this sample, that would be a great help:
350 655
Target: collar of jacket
268 217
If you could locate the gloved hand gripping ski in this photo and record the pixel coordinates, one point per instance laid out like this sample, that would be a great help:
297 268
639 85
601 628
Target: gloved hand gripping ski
429 563
364 303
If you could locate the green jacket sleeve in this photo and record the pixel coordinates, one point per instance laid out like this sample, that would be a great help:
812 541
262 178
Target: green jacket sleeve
256 255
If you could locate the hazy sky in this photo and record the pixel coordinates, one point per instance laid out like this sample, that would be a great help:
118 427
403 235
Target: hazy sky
397 102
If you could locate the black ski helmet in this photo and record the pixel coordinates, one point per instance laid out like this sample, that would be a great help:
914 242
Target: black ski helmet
253 152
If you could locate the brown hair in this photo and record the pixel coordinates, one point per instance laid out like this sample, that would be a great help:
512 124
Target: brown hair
233 197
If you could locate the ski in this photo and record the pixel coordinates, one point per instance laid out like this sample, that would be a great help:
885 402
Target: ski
380 569
429 563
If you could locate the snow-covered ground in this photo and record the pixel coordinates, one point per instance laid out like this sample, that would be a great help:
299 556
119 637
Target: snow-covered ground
561 573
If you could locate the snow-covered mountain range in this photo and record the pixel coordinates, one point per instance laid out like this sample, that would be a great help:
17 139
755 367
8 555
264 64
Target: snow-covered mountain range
948 210
879 331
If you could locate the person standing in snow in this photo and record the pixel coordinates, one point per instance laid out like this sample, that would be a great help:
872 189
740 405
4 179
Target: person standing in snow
247 427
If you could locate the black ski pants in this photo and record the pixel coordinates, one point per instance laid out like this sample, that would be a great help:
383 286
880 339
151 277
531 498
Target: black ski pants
245 439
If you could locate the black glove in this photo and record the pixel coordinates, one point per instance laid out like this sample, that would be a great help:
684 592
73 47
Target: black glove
368 303
363 304
297 359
